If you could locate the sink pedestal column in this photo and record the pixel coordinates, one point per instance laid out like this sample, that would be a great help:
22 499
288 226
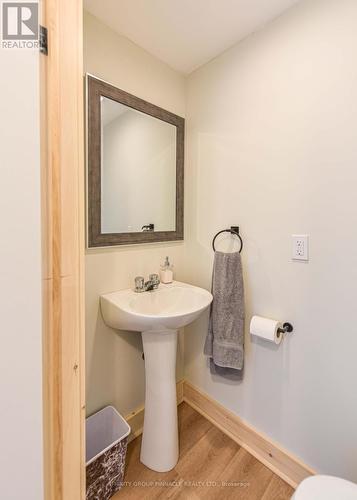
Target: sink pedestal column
159 447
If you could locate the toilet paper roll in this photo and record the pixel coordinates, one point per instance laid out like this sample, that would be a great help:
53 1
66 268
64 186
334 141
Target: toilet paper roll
266 329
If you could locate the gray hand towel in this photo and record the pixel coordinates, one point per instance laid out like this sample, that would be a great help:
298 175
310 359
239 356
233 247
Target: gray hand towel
225 339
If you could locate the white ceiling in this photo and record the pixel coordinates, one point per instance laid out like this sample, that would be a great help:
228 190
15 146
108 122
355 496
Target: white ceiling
186 33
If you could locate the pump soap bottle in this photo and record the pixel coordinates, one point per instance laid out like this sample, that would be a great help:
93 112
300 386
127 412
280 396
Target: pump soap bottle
166 273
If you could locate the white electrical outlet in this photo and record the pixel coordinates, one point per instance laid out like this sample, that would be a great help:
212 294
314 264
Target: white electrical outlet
300 250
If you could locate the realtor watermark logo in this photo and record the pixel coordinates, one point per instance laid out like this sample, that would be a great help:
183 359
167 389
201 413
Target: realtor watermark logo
20 29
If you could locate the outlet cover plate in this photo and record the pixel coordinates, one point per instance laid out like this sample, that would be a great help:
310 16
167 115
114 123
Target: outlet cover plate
300 247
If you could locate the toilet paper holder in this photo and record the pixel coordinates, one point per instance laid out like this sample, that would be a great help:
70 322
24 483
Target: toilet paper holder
287 328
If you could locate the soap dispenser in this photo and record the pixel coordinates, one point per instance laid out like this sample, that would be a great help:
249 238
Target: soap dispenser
166 273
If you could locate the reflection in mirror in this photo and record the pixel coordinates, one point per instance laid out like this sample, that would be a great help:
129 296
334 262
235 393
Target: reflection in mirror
138 170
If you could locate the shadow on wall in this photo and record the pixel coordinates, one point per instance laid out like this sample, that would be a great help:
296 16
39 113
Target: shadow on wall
107 362
266 364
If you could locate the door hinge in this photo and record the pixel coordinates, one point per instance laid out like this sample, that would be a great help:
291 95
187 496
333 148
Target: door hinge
43 40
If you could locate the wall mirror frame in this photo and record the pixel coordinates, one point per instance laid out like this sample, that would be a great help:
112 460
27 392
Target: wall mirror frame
96 89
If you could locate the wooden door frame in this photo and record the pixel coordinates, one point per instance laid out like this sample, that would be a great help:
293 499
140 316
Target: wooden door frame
63 188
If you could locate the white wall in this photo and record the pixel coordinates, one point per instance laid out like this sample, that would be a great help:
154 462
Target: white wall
272 147
20 278
115 369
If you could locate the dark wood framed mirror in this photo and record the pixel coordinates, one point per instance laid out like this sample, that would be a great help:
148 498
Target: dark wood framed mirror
135 169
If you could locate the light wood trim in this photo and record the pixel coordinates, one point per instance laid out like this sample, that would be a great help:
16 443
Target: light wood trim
62 167
136 421
136 418
282 463
179 391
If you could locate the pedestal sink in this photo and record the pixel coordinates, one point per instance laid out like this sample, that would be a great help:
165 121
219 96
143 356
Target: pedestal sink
157 315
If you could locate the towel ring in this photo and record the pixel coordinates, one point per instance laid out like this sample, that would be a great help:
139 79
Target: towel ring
233 230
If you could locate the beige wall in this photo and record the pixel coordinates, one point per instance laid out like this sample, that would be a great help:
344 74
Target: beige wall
272 147
115 369
20 277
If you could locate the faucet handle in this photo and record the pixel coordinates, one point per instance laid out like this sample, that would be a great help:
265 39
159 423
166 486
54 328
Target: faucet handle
155 280
139 284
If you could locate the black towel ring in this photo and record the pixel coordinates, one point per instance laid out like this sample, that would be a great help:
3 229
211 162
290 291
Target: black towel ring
233 230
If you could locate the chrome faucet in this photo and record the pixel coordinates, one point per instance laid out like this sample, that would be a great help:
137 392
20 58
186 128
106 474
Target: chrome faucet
146 286
153 283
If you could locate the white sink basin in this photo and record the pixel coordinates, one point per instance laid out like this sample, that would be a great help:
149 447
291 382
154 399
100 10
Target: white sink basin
168 308
157 315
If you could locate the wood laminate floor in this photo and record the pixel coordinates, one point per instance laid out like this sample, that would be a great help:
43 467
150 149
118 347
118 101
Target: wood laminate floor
211 466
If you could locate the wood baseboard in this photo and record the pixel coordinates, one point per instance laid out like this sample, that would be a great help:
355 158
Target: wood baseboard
136 418
282 463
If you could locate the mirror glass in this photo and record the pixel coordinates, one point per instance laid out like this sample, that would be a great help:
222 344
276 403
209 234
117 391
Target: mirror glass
135 178
138 170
